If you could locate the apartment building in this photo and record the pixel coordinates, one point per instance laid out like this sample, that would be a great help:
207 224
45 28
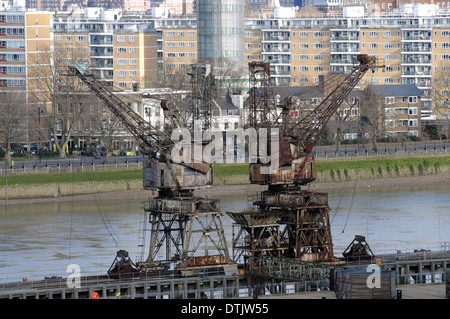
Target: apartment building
37 46
411 46
120 52
22 37
126 52
399 109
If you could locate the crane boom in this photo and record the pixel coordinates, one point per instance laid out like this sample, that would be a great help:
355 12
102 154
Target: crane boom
298 137
135 124
160 171
307 131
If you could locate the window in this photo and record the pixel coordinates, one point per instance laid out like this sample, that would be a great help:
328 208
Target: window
318 69
391 123
133 61
121 50
373 34
132 38
121 38
389 100
122 73
133 74
69 38
373 46
389 111
388 45
412 99
412 111
318 34
80 38
121 62
132 50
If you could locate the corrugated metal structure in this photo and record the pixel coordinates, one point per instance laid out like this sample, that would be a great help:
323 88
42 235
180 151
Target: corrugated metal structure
357 284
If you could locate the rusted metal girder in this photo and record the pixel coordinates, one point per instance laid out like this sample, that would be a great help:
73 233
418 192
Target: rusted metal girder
289 224
291 269
190 230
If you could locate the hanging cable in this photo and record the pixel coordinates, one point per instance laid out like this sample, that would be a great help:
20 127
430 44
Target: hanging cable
71 217
101 210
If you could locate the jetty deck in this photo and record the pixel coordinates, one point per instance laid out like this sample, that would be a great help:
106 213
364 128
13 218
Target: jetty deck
421 275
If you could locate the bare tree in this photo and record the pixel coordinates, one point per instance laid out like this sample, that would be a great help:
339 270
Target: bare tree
372 116
12 121
58 94
441 99
343 119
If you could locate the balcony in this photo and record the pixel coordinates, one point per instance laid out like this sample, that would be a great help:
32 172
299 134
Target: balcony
420 83
416 49
99 52
417 38
280 61
273 38
422 59
417 73
281 72
277 50
101 42
100 64
344 37
342 61
344 50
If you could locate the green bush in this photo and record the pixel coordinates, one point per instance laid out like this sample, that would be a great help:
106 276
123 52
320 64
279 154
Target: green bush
2 153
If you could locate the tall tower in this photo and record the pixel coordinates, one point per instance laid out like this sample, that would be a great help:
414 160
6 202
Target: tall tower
221 33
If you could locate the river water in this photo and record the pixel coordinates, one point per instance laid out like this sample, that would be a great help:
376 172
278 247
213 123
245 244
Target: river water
38 240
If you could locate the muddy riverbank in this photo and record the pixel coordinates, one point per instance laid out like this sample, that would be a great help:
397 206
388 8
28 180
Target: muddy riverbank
133 190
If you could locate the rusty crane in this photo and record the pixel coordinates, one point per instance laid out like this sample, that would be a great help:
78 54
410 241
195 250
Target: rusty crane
184 229
287 221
